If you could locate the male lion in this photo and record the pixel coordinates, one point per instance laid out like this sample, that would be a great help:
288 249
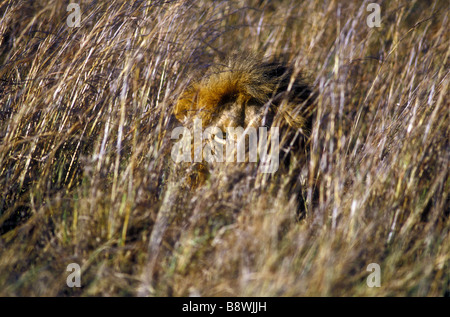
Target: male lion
247 92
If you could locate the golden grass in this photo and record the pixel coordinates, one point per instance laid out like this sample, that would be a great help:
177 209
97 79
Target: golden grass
86 174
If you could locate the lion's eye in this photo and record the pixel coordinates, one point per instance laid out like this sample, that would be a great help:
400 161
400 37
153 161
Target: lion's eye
220 140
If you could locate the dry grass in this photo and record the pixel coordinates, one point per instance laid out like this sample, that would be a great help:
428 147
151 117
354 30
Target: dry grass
86 174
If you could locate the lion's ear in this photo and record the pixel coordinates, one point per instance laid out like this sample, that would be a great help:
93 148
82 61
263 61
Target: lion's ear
184 104
296 118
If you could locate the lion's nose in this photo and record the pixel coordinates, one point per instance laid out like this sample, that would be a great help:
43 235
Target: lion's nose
232 117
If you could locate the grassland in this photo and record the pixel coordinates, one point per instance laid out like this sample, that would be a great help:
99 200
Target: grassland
86 175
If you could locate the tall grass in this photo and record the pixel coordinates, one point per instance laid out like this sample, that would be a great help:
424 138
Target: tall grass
86 175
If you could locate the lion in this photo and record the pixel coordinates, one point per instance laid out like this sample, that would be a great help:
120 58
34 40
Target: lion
247 91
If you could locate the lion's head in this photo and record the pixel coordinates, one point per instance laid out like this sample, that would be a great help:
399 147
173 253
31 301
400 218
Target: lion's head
246 92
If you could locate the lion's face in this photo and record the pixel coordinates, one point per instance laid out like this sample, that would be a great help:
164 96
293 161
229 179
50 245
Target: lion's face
244 94
220 103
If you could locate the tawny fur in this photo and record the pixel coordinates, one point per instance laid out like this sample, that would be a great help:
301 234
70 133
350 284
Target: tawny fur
249 92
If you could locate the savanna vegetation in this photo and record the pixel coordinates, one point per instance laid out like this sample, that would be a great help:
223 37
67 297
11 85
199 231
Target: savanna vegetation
86 174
